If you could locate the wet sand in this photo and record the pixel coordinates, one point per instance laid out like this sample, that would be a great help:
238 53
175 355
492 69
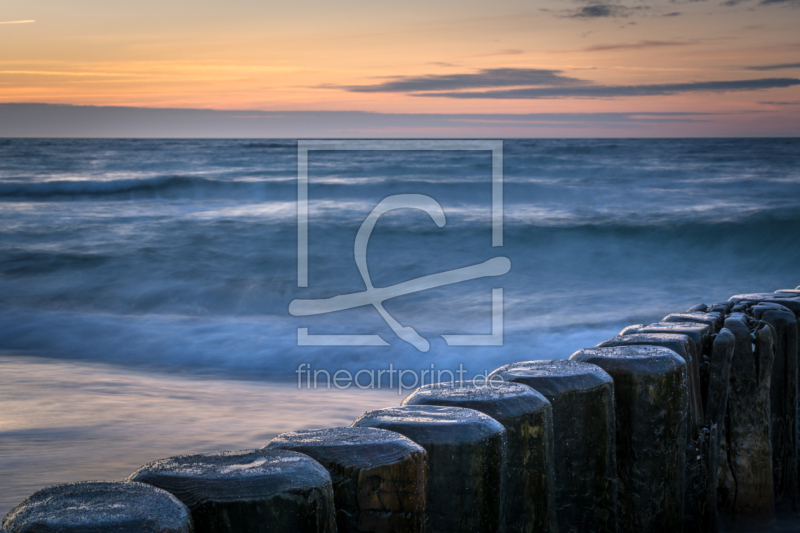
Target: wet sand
71 421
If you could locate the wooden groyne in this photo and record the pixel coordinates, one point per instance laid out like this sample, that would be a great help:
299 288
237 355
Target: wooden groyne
682 425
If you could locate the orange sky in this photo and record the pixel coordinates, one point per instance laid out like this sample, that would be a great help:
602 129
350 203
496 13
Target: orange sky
303 55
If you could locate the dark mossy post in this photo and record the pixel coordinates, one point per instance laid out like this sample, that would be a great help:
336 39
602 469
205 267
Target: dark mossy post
529 503
380 478
683 346
275 491
783 402
781 311
720 374
465 458
96 506
791 300
701 334
582 398
651 394
700 501
745 467
702 450
698 484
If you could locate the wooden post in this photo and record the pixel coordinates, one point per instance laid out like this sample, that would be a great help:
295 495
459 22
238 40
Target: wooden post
95 506
697 482
719 383
380 478
702 336
465 456
700 505
699 333
651 394
273 491
745 472
683 346
527 416
783 402
582 397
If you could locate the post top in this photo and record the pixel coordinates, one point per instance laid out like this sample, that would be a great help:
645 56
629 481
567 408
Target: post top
341 436
553 378
433 424
96 505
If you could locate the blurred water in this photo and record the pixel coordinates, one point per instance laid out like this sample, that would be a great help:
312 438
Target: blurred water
181 254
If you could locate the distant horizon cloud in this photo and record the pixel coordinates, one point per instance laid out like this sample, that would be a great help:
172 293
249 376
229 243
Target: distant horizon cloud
612 91
600 11
635 46
779 66
530 83
17 21
484 78
791 3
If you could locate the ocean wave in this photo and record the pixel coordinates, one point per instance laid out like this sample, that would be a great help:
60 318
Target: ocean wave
173 187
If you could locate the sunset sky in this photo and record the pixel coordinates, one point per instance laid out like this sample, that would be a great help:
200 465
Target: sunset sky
698 67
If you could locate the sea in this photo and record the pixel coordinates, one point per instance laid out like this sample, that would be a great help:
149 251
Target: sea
145 284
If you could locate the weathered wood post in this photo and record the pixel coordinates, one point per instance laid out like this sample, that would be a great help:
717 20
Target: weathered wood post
783 402
582 398
529 504
778 310
702 457
702 336
697 483
275 491
745 469
465 457
719 385
100 506
701 503
792 302
651 394
683 346
380 478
